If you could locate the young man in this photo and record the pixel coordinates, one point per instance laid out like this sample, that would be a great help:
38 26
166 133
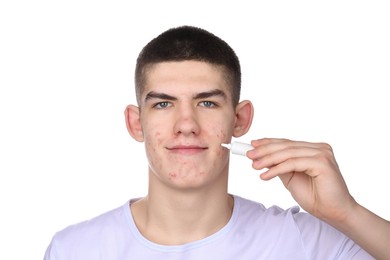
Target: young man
188 88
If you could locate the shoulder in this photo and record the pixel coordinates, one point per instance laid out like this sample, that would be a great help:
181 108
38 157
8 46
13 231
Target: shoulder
276 217
297 229
90 233
271 223
253 209
99 223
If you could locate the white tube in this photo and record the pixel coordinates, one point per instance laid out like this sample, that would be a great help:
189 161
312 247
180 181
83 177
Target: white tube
238 147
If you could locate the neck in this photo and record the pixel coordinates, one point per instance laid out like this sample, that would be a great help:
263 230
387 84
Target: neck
172 217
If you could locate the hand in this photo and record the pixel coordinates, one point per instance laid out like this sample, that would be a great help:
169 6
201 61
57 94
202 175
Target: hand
309 171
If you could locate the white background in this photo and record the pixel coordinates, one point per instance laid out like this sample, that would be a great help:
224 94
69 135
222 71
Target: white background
314 71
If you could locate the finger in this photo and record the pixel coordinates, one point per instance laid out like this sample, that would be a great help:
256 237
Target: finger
266 141
267 146
268 160
311 166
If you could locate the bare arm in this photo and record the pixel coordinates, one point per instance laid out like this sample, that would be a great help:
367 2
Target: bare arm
367 229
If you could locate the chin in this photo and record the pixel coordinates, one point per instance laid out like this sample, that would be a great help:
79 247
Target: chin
188 182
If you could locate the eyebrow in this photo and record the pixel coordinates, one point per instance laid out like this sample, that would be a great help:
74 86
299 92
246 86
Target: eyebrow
212 93
157 95
201 95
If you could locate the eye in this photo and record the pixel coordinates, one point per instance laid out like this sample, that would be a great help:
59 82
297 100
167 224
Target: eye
162 105
207 104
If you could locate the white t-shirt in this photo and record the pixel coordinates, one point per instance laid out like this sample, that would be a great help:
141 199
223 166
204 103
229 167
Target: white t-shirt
253 232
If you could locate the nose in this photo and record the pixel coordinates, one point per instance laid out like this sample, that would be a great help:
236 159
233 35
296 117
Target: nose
186 122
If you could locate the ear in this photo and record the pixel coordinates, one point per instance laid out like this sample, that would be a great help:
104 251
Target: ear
244 116
133 123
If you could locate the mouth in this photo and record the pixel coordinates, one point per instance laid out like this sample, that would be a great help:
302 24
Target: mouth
187 149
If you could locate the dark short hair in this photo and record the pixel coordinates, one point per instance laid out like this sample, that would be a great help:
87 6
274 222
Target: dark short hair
189 43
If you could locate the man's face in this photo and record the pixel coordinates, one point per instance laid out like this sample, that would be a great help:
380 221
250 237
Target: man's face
186 113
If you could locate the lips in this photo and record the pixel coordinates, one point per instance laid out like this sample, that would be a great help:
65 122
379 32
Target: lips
187 149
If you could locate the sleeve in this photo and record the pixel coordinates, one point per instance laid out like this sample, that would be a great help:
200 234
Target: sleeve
50 253
322 241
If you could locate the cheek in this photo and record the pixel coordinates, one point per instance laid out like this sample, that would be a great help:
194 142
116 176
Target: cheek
153 133
221 130
158 138
152 145
221 136
153 140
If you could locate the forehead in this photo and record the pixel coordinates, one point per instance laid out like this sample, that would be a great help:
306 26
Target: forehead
186 76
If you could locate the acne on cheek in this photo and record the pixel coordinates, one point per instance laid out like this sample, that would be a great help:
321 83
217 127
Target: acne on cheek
158 138
172 175
153 145
221 133
150 147
151 154
222 136
222 152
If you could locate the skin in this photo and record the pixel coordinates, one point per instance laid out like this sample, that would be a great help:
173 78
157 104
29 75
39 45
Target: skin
184 116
